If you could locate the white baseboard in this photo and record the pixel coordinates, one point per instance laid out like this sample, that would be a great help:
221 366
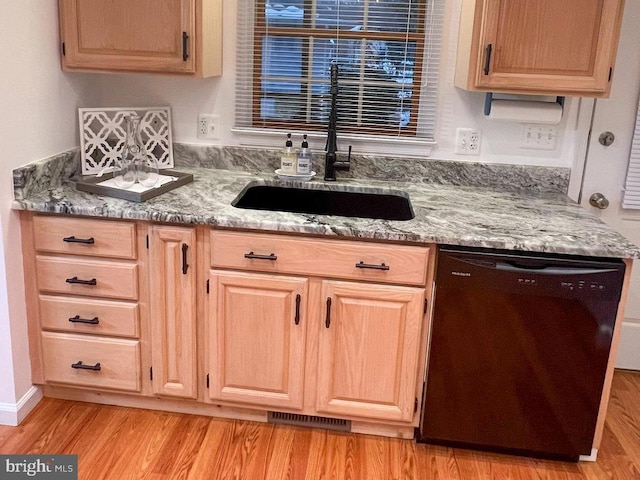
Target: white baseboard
628 351
590 458
13 413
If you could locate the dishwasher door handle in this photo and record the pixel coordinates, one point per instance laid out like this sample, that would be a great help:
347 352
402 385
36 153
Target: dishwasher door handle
550 270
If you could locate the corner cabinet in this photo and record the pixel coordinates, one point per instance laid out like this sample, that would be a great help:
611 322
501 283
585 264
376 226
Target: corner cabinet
175 36
538 46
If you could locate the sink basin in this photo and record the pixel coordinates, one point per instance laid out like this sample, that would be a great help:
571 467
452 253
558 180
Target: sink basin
363 203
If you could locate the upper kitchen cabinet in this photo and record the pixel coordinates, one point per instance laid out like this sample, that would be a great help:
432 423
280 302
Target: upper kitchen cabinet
172 36
538 46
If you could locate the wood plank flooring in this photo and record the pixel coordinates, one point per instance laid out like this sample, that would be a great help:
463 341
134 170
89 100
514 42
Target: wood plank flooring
125 443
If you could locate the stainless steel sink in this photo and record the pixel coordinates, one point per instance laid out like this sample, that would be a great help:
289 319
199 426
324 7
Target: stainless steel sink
320 200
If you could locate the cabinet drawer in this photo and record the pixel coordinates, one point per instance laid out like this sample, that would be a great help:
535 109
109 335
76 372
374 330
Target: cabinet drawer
81 236
100 317
87 277
319 257
115 362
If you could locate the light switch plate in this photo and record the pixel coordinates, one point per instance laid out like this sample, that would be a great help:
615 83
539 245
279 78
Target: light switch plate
540 137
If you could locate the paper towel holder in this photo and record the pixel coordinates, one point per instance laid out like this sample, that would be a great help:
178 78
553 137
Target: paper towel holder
489 97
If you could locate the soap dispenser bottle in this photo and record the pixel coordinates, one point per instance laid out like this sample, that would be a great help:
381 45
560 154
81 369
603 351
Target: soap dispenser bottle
288 158
303 164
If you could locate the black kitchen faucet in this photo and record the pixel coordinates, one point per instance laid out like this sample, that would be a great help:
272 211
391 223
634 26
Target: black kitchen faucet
331 163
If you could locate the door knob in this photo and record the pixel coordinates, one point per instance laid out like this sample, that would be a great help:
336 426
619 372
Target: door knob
598 200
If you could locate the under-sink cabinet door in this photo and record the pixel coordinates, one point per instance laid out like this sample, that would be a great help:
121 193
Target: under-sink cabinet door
256 340
369 349
173 310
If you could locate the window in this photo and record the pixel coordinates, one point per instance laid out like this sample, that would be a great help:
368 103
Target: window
387 52
631 197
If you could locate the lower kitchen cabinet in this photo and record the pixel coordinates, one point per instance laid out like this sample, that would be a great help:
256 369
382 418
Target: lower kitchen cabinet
286 333
172 309
136 313
368 345
257 329
368 350
83 302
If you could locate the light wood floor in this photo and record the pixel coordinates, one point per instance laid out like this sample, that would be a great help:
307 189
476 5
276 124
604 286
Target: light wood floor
122 443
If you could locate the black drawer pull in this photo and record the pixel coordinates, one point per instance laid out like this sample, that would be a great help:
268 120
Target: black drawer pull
82 366
487 59
327 321
185 39
185 265
88 321
254 256
382 266
77 281
297 319
86 241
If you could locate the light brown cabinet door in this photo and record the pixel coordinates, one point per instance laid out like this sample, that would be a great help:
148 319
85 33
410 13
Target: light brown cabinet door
173 310
542 46
368 350
256 340
133 35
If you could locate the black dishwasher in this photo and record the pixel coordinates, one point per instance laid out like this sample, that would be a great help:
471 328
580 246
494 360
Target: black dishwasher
519 347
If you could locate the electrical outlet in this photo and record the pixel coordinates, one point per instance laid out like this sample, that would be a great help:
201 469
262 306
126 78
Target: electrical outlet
209 126
468 141
540 137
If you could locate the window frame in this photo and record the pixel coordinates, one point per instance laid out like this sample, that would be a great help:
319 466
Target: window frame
435 71
305 33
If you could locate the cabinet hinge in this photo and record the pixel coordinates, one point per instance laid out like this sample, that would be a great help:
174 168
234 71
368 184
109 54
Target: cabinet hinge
207 287
426 305
64 49
415 405
207 380
151 373
610 73
147 242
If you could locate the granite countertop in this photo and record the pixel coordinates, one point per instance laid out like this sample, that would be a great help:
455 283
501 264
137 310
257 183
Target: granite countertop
446 214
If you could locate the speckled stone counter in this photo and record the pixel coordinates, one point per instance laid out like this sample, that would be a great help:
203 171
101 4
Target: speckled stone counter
523 219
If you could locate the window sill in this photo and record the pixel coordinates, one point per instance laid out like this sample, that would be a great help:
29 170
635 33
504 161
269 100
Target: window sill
361 144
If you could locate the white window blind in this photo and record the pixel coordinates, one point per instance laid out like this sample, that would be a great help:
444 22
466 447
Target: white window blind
631 197
387 51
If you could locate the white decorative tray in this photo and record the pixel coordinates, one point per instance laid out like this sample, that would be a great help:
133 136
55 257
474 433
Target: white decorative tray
103 131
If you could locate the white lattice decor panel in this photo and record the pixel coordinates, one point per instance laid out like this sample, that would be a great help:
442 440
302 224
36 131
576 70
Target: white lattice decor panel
103 130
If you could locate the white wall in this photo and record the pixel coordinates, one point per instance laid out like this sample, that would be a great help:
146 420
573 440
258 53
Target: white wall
38 120
500 144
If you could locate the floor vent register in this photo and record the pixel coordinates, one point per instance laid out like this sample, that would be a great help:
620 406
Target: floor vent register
309 421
